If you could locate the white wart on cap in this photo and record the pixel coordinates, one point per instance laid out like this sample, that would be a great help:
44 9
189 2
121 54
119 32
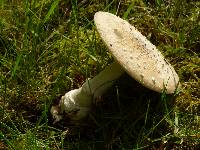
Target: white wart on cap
138 56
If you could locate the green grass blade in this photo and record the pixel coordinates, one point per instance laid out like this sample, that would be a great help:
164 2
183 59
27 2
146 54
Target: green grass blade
158 2
127 12
6 141
51 10
16 66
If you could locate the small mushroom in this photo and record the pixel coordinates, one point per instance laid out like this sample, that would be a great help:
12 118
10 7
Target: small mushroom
133 53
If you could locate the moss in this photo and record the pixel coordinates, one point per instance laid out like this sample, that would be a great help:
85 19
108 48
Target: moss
39 61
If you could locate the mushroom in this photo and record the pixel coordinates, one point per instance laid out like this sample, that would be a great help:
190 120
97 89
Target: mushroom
133 54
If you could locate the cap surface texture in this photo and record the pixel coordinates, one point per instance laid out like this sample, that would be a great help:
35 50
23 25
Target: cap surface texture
137 55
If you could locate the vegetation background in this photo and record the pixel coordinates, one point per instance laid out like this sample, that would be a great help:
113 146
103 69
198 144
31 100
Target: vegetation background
48 47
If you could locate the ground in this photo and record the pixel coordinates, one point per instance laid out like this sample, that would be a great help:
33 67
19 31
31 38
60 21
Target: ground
50 47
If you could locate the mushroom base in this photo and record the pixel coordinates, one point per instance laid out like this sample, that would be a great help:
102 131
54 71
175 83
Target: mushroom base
76 103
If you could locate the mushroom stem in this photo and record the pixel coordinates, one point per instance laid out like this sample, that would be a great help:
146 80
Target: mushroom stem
77 103
104 80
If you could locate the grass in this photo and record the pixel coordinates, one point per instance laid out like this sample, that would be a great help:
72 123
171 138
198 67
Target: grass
50 47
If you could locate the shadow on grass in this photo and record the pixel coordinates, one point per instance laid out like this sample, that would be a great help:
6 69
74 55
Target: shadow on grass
128 116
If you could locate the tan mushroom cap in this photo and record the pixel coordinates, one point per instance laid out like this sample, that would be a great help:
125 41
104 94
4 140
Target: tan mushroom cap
138 56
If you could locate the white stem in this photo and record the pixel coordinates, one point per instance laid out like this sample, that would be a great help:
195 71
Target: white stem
77 103
104 80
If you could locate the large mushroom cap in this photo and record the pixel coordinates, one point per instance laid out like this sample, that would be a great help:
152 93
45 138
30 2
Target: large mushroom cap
138 56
